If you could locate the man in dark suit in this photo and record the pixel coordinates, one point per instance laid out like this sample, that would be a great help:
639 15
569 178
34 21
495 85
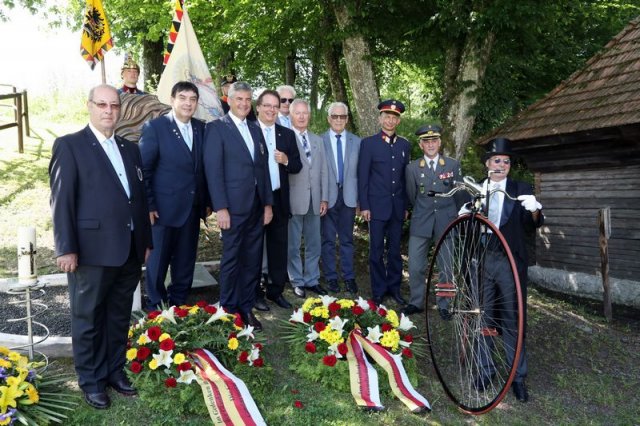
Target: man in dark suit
102 236
341 149
237 172
383 201
429 215
171 149
514 219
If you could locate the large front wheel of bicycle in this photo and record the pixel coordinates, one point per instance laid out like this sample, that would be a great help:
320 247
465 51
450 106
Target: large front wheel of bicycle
474 311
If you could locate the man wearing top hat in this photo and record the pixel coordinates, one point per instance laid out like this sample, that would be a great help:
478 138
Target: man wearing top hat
130 74
383 202
430 215
514 219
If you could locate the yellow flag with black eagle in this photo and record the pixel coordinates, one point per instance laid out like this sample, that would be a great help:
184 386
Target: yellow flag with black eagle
96 36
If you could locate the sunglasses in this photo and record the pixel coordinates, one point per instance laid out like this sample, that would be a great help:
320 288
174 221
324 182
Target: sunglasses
105 105
286 100
338 116
500 160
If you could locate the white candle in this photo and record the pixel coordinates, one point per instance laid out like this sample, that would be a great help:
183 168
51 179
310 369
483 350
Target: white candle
27 273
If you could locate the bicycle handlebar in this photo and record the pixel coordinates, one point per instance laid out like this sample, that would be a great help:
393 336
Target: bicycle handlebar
469 185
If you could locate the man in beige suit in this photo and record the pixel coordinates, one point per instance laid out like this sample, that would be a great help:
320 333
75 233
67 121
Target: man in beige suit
309 201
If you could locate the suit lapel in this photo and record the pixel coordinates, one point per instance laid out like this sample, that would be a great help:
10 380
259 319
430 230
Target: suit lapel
508 204
331 160
177 135
233 129
105 158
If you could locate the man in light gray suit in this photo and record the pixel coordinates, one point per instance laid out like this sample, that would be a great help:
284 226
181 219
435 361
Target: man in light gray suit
341 149
309 201
429 215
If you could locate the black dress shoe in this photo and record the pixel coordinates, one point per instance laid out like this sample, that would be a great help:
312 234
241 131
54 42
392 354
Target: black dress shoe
351 286
398 298
123 387
412 309
281 301
299 291
261 305
444 314
483 382
318 290
99 400
520 391
333 286
250 319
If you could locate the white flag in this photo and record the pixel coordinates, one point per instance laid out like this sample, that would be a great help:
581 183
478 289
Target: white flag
187 63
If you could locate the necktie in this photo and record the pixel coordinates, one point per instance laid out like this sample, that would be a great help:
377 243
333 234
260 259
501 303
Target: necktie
340 159
305 145
494 205
116 162
247 137
274 173
286 122
433 169
186 134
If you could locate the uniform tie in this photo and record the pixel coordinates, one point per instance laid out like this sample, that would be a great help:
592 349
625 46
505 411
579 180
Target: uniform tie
340 159
186 135
431 162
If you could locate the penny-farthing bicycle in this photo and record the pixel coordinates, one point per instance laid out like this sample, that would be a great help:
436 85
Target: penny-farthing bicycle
474 308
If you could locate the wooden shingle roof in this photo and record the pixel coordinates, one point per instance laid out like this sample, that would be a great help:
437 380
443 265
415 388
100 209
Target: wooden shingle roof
603 94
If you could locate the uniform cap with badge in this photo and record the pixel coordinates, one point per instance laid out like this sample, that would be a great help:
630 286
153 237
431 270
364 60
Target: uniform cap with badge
130 64
228 79
391 106
429 131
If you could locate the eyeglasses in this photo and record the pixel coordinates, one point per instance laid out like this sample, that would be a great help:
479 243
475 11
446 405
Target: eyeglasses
338 116
500 160
105 105
286 100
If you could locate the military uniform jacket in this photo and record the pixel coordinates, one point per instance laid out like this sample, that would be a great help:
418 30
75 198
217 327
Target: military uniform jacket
431 215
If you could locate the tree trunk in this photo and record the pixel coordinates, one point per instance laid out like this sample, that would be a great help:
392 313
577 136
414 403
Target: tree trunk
315 75
361 77
152 57
290 69
464 71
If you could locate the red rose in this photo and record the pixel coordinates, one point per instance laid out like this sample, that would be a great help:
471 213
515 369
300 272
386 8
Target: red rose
407 353
386 327
210 309
143 353
185 366
329 360
232 335
408 338
372 305
382 312
306 317
154 333
310 347
298 404
319 326
238 321
343 349
334 307
357 310
153 314
167 344
136 367
258 346
201 303
171 382
259 362
244 357
180 313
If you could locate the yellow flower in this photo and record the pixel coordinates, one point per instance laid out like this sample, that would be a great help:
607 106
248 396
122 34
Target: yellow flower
14 356
8 396
320 311
306 306
390 339
131 354
4 350
233 344
130 335
392 317
143 339
163 336
179 358
32 393
4 363
6 420
153 364
331 336
194 310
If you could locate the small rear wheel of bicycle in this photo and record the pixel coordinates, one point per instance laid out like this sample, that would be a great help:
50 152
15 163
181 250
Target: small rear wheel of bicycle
474 314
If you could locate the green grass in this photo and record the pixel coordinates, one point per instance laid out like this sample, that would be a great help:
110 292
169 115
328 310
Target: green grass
583 370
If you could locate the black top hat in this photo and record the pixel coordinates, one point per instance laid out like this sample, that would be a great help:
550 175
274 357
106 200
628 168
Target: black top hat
498 146
228 79
429 131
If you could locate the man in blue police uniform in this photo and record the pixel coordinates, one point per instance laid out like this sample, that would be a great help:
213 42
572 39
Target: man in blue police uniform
383 202
429 215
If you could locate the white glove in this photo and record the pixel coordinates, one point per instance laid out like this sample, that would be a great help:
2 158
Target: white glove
530 203
465 209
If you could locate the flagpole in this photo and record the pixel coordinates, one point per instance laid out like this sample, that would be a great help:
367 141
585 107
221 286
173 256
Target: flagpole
104 78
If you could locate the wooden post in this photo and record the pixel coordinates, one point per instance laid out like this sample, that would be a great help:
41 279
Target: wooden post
18 101
25 113
604 226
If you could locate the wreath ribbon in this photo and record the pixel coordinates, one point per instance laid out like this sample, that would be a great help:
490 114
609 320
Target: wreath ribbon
226 396
364 378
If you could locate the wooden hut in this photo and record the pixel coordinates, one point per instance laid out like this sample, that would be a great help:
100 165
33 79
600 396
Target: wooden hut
582 141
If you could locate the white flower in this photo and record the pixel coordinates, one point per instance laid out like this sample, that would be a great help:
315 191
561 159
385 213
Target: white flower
404 343
363 303
313 334
220 313
247 331
336 323
253 355
186 377
405 323
374 334
164 358
168 315
327 300
297 316
333 350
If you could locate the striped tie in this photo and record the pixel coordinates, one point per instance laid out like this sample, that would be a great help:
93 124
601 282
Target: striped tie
305 145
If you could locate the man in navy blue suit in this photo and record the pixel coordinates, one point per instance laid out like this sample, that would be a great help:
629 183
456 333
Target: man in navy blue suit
383 202
237 172
171 148
102 236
